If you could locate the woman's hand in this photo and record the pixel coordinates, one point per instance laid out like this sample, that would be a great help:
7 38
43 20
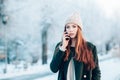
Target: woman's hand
65 40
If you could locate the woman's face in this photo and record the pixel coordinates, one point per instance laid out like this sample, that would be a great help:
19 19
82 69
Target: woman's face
71 29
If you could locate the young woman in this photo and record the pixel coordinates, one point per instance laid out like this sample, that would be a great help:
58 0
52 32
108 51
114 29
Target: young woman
74 57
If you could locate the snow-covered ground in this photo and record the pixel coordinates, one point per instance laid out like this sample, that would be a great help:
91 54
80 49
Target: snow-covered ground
50 77
24 68
109 70
12 71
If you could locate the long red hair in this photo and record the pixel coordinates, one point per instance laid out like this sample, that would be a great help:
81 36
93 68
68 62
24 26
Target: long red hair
82 52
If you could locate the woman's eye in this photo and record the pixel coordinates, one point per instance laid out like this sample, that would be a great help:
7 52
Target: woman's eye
74 26
67 26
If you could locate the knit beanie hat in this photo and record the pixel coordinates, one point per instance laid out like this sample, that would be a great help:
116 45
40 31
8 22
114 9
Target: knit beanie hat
75 19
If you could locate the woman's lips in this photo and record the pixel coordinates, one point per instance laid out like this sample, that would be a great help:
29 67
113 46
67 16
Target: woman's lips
71 34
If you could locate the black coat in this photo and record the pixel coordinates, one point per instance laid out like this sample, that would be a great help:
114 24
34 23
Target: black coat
58 64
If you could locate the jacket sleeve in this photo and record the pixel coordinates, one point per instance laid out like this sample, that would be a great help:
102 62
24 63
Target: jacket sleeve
57 59
96 73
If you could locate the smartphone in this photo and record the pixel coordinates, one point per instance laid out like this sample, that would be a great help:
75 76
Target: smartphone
68 37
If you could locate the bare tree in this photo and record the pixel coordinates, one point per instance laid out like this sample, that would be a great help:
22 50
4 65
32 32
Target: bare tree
46 26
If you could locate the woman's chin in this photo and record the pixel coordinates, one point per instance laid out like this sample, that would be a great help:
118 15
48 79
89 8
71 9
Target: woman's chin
72 37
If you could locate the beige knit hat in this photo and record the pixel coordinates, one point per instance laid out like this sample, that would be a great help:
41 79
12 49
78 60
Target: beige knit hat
75 19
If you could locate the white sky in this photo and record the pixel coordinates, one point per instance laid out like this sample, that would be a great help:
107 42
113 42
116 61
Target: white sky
110 7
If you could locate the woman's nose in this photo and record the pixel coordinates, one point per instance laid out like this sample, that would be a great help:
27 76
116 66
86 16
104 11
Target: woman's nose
71 29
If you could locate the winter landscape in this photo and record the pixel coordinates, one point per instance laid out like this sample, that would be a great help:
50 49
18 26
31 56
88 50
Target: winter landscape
30 30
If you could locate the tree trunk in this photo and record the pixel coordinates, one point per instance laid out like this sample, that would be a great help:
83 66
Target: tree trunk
44 47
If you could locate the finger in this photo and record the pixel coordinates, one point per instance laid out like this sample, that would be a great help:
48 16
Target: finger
67 37
65 33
